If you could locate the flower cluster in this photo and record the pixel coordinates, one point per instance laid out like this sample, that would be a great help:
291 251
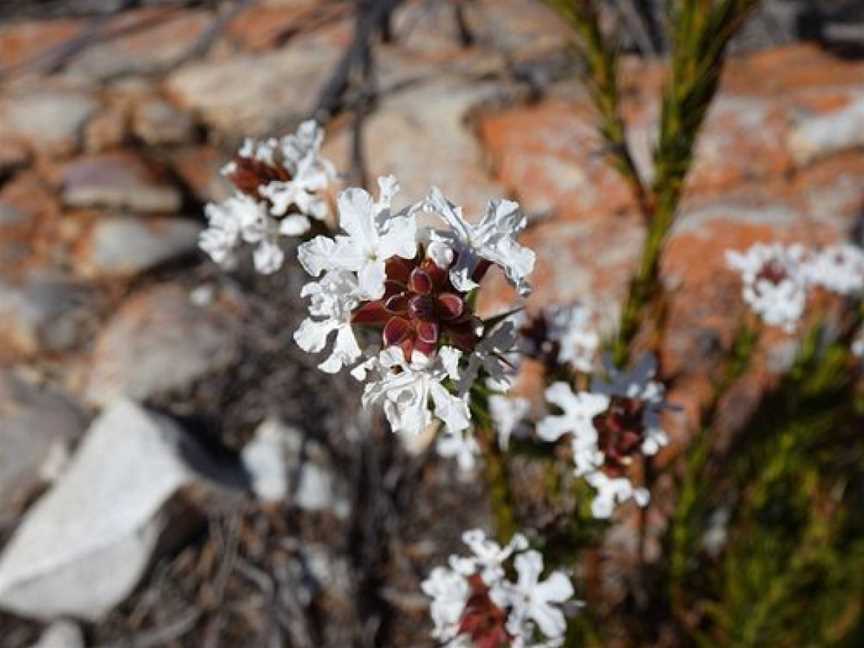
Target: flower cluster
562 335
617 419
475 605
410 289
278 188
776 278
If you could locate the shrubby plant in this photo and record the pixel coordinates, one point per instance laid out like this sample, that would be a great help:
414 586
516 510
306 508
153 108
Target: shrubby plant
756 523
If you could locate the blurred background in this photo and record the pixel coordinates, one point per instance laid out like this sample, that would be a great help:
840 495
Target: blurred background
252 503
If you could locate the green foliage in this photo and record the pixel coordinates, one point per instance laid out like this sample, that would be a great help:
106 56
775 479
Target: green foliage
781 496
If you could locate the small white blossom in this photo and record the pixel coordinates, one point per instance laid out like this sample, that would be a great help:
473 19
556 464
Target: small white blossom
570 327
534 601
491 355
405 390
506 414
461 446
638 384
310 175
576 419
373 235
227 224
858 345
449 592
774 282
519 611
492 239
332 300
612 491
489 557
838 268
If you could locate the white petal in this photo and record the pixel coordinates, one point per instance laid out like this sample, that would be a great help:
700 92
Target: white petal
311 336
294 225
400 238
268 257
317 255
356 216
371 279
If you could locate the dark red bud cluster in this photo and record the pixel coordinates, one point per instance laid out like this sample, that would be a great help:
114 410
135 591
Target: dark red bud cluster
773 272
482 620
420 309
620 431
249 174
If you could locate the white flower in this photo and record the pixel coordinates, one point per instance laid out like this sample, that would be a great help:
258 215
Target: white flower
332 300
461 446
373 235
838 268
226 224
534 601
637 384
570 327
506 414
405 389
490 354
489 557
774 283
492 239
310 175
242 219
858 345
612 491
579 410
449 591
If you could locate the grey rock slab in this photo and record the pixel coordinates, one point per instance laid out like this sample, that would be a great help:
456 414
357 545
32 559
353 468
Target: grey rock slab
256 94
61 634
42 313
38 427
157 122
429 122
84 545
118 180
128 245
159 341
819 136
48 120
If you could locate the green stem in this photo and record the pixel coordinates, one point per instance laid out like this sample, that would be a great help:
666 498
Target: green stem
497 474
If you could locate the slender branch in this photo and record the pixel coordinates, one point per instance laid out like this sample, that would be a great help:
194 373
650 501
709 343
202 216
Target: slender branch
701 32
601 78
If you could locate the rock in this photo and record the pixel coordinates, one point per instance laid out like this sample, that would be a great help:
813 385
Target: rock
256 94
13 156
429 123
61 634
279 457
42 312
84 545
127 245
140 42
263 26
200 167
37 429
23 42
158 341
158 122
822 135
551 156
9 215
118 180
106 131
48 120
